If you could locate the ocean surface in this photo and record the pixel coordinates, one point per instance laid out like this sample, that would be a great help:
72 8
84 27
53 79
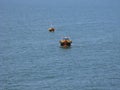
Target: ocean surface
32 59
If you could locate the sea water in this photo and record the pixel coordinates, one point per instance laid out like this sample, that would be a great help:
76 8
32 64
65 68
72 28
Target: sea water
31 57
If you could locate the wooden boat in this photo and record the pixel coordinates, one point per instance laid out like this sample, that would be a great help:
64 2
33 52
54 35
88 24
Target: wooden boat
51 29
65 42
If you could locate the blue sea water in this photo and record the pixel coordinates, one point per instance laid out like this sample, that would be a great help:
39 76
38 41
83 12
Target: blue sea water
31 57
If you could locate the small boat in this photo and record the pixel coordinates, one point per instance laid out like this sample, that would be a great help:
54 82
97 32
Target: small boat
65 42
51 29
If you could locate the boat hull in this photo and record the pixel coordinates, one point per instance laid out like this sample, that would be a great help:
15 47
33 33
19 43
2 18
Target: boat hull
65 43
51 29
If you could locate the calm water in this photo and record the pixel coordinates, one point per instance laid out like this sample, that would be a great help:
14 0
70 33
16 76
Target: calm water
31 58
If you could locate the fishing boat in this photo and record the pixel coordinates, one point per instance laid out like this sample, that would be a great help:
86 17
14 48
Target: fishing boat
51 29
65 42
